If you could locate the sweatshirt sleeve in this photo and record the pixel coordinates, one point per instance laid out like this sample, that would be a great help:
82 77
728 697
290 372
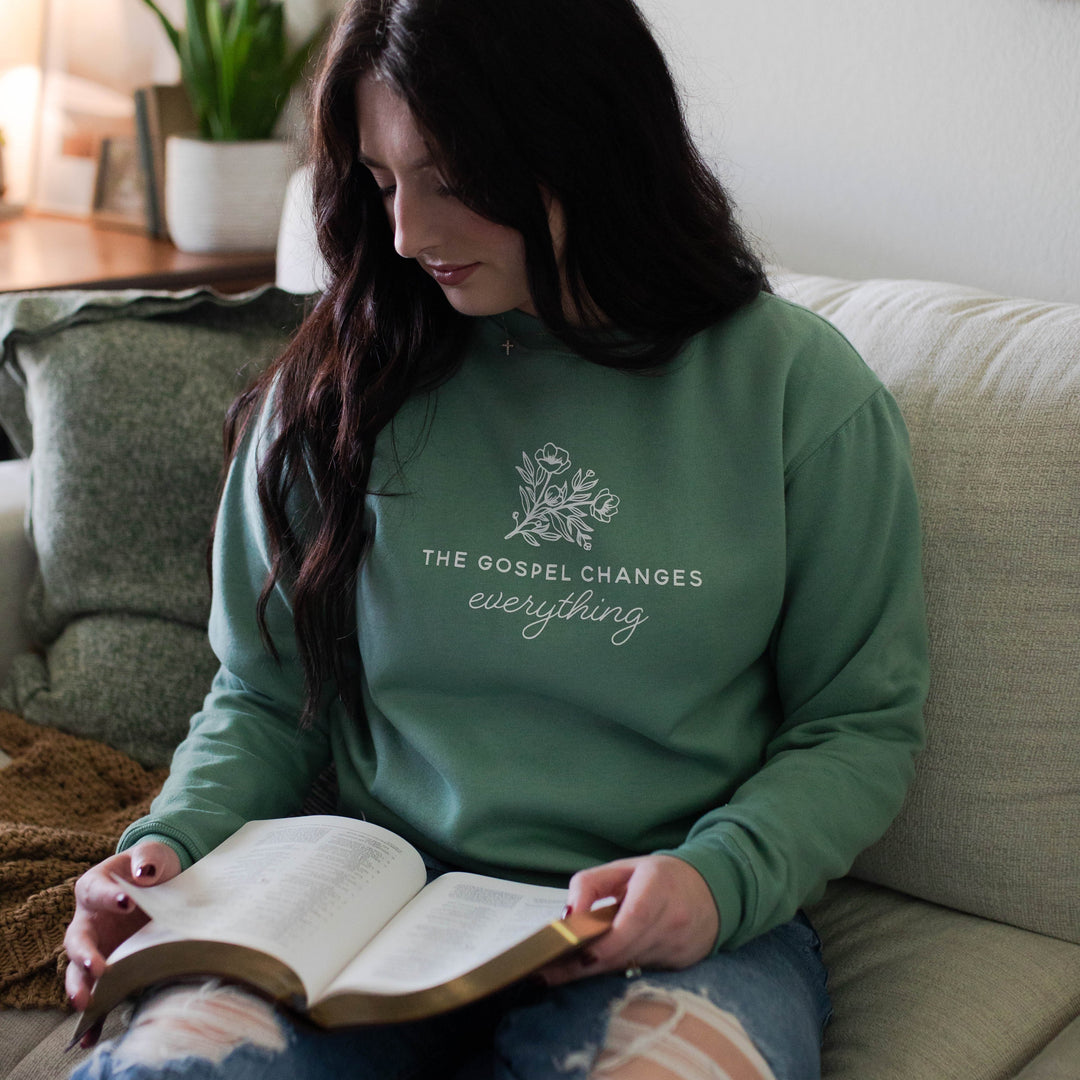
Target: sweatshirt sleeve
244 757
850 659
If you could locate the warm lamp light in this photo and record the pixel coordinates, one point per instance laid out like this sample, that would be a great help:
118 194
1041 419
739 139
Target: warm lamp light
20 89
20 93
94 53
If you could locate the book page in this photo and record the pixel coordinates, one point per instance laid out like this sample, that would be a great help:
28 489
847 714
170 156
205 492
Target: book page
308 890
457 923
153 933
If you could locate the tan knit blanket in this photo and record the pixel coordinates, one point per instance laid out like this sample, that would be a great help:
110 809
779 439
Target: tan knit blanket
64 801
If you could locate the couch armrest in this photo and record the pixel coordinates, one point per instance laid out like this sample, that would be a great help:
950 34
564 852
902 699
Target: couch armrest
16 559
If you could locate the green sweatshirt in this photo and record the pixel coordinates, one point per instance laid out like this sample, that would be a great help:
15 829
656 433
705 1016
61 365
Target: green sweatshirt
603 614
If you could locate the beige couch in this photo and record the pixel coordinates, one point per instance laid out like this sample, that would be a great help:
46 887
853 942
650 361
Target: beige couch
955 944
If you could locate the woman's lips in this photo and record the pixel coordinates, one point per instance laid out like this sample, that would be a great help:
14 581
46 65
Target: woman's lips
445 274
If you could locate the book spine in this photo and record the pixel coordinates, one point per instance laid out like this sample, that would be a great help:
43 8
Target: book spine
145 147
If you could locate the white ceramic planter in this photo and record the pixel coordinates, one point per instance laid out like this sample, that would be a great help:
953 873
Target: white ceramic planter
225 196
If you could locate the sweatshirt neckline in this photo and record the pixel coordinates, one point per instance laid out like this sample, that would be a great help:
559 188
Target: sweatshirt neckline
515 333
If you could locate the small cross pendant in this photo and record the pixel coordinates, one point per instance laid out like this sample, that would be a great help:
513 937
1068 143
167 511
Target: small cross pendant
508 345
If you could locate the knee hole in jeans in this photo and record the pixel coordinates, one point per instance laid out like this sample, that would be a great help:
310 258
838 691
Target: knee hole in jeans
206 1021
676 1035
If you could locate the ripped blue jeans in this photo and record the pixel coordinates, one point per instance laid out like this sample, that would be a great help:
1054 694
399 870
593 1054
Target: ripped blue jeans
774 986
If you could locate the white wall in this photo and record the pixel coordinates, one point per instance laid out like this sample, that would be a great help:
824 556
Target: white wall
902 138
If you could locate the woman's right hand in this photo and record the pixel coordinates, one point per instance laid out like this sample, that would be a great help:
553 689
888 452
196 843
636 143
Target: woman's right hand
105 914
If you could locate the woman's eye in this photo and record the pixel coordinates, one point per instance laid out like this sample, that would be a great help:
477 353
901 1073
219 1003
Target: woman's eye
444 189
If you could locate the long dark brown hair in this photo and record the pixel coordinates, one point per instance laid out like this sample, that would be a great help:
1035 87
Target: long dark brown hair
522 101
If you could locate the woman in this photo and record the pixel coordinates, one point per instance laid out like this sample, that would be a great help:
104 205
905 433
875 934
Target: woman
582 557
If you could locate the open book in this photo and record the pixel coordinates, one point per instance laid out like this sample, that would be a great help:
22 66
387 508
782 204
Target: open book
331 916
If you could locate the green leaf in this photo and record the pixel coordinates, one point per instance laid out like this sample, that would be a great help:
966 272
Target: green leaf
243 11
224 73
235 64
197 67
174 34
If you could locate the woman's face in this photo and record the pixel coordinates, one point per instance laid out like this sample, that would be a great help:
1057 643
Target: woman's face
479 264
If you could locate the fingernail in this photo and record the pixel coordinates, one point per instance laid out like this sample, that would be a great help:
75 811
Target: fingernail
566 912
87 963
146 870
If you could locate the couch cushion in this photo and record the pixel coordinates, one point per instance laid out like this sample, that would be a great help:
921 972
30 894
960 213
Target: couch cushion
990 389
120 397
1059 1060
22 1030
923 992
45 1057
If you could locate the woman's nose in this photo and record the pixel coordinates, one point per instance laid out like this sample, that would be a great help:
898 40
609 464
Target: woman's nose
414 227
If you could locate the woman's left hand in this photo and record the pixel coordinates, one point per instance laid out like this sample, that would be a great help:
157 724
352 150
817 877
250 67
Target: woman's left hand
667 917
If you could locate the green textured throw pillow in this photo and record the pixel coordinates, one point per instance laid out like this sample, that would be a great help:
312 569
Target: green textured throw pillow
118 398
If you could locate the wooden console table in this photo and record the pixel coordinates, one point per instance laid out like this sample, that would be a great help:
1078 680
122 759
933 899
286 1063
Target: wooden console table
43 252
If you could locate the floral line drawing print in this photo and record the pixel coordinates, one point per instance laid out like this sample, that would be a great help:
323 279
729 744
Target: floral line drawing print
559 511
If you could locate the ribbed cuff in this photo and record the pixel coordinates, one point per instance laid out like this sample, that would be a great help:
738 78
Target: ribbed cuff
723 882
163 834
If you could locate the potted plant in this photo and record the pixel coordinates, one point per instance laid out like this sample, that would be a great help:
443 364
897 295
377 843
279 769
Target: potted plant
225 187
